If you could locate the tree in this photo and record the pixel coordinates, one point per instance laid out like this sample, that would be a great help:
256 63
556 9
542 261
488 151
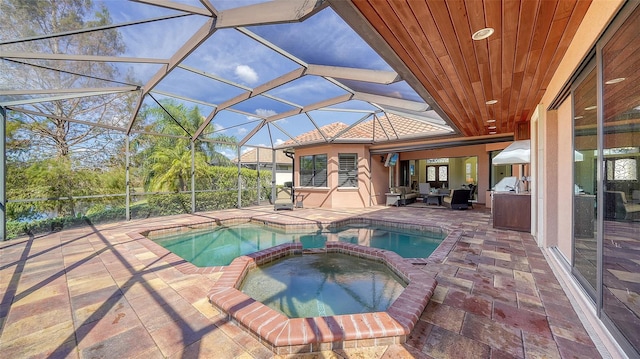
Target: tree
47 137
166 161
47 155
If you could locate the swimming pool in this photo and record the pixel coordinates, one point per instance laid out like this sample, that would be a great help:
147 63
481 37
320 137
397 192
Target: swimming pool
219 246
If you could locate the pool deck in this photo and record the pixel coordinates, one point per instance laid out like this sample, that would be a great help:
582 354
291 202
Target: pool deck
98 292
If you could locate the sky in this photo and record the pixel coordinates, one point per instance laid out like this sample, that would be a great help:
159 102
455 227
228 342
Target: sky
244 64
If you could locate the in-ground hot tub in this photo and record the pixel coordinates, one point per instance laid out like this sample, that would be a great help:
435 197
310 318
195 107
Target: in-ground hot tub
321 284
323 332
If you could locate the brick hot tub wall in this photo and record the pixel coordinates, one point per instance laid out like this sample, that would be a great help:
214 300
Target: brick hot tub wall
286 335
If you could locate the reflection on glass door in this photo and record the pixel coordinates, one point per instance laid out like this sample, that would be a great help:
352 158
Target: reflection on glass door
621 197
585 142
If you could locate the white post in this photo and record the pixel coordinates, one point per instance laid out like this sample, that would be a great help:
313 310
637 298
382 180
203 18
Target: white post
239 205
127 201
258 173
193 177
3 172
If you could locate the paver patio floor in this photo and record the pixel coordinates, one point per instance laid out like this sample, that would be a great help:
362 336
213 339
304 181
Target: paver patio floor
95 292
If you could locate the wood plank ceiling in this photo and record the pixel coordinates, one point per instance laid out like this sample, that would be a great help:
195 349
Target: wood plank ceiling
513 66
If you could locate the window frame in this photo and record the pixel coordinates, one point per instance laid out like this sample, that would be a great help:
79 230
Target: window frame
351 178
315 172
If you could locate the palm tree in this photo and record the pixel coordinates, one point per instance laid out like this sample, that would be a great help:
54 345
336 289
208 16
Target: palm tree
166 161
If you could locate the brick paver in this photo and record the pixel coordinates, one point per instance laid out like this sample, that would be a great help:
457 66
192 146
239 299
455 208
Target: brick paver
97 292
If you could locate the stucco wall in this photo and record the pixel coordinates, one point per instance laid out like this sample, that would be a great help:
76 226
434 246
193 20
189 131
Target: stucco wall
564 164
379 180
332 196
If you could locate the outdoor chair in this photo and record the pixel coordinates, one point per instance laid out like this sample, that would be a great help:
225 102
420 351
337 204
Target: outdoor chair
458 199
616 206
424 189
472 192
284 198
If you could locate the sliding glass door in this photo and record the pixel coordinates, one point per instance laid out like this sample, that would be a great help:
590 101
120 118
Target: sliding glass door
606 216
585 142
621 158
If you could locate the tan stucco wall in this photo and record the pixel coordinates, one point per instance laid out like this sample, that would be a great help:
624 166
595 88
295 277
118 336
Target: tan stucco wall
379 180
564 164
332 196
550 187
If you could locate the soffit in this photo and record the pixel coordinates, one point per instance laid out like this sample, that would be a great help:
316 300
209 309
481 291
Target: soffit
514 66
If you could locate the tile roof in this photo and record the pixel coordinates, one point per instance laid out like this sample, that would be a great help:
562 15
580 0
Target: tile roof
266 156
384 128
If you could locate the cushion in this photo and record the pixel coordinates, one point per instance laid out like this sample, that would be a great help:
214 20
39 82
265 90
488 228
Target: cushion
632 207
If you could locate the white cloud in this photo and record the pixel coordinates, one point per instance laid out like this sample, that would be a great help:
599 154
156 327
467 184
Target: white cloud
265 113
229 154
246 73
218 127
278 142
242 130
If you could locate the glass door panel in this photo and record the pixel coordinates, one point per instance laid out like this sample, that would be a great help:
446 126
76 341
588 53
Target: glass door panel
585 144
621 200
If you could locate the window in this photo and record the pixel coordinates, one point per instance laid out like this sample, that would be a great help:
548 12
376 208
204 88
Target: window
313 171
348 170
438 174
431 173
622 169
443 173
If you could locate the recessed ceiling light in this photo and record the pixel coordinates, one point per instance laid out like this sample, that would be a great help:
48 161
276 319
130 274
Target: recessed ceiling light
590 108
491 102
492 120
492 127
482 33
492 132
615 81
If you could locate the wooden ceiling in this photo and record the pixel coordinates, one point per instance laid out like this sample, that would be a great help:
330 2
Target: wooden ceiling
514 66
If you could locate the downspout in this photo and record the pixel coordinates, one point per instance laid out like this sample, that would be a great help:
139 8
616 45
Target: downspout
371 192
273 177
293 172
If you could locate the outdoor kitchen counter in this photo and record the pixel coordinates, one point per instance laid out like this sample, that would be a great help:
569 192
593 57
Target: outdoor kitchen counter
512 211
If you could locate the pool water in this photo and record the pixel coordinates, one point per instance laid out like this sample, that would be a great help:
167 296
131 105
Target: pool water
313 285
221 245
